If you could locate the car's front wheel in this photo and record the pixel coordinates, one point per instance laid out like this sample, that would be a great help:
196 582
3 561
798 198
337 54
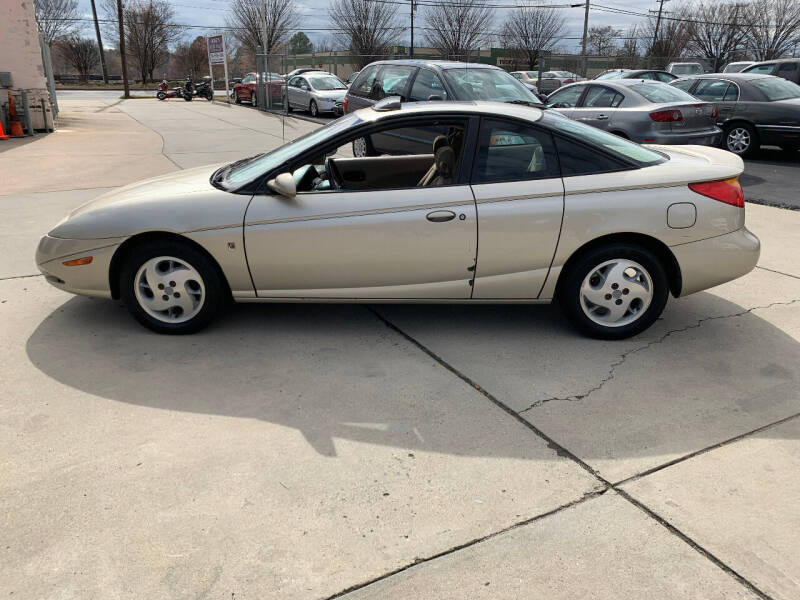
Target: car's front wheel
171 287
313 109
615 291
741 139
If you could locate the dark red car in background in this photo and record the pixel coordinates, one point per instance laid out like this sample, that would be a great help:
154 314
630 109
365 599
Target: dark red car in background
245 90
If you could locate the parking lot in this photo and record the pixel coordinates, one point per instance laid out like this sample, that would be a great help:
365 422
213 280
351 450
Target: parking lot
375 451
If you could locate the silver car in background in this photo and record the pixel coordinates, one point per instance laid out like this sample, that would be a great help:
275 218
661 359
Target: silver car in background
648 112
317 92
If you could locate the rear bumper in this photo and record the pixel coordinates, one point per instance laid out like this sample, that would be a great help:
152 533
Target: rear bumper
713 261
708 137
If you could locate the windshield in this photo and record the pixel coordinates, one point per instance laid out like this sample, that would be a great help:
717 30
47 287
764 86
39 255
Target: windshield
687 69
661 92
241 174
609 141
326 83
611 75
736 67
775 88
487 84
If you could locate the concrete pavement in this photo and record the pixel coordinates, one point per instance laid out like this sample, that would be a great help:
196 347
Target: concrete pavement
295 451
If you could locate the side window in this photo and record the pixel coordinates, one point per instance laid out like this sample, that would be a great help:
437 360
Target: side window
784 68
684 84
427 84
711 90
302 83
646 76
513 152
732 93
577 159
762 69
600 96
393 81
295 82
663 77
363 85
566 98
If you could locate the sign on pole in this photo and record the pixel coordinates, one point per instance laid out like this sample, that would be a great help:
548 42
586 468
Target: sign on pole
217 56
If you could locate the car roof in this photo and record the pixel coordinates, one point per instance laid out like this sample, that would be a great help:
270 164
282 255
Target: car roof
505 109
435 64
777 60
731 76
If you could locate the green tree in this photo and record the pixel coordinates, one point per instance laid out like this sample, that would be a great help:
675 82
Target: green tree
300 44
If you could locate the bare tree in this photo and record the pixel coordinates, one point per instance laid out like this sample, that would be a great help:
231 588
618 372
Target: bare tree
531 30
80 53
248 18
716 31
628 54
149 31
773 27
455 27
602 41
671 39
56 18
366 28
192 57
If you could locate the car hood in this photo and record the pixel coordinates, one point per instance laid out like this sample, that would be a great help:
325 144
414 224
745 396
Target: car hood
178 202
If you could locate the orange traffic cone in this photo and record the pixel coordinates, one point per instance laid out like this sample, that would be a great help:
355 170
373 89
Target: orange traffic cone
3 135
14 124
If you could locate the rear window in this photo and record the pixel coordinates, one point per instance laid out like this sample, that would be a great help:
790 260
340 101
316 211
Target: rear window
686 69
775 88
487 84
608 141
659 93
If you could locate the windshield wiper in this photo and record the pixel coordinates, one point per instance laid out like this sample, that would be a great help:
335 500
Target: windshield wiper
526 103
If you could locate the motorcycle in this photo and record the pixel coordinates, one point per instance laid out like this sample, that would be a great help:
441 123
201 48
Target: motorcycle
202 89
165 92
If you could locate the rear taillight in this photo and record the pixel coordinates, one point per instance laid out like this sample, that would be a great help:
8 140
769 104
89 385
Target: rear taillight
568 80
714 112
344 105
666 116
728 191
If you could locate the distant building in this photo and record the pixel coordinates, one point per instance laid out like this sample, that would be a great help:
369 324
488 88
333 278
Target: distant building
21 65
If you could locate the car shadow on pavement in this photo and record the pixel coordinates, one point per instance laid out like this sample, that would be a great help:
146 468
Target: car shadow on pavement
337 371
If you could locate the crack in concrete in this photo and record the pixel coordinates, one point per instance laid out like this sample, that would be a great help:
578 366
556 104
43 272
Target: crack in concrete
20 277
624 357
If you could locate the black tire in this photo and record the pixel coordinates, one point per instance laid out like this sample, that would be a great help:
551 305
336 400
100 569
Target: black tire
188 97
209 95
313 109
236 99
740 130
161 95
253 100
572 301
215 289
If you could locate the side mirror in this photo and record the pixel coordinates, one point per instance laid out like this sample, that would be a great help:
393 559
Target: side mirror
284 185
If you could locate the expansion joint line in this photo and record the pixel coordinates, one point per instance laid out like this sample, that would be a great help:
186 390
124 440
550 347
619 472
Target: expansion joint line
604 484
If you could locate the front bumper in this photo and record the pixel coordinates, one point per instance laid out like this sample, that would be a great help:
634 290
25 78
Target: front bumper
333 106
716 260
86 280
708 137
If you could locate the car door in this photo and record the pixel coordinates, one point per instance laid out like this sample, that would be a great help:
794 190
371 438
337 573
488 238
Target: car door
519 196
597 106
246 89
371 242
292 91
716 91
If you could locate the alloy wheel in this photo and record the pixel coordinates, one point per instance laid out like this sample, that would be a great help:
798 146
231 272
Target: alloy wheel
360 147
169 289
738 140
616 292
313 109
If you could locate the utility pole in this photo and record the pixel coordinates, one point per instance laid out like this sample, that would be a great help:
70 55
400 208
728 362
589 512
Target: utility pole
122 58
583 43
100 44
658 24
411 49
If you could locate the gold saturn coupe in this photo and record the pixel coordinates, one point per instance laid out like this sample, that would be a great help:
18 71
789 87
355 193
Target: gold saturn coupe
454 202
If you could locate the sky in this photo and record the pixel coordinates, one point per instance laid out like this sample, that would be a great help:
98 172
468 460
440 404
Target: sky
212 13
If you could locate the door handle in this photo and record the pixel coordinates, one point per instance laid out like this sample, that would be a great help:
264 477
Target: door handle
602 117
440 216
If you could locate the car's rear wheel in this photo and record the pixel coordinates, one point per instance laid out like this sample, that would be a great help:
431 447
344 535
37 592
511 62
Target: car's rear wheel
615 291
171 287
236 99
161 95
363 147
741 139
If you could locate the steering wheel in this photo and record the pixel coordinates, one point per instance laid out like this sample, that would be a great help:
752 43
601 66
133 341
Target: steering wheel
334 176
